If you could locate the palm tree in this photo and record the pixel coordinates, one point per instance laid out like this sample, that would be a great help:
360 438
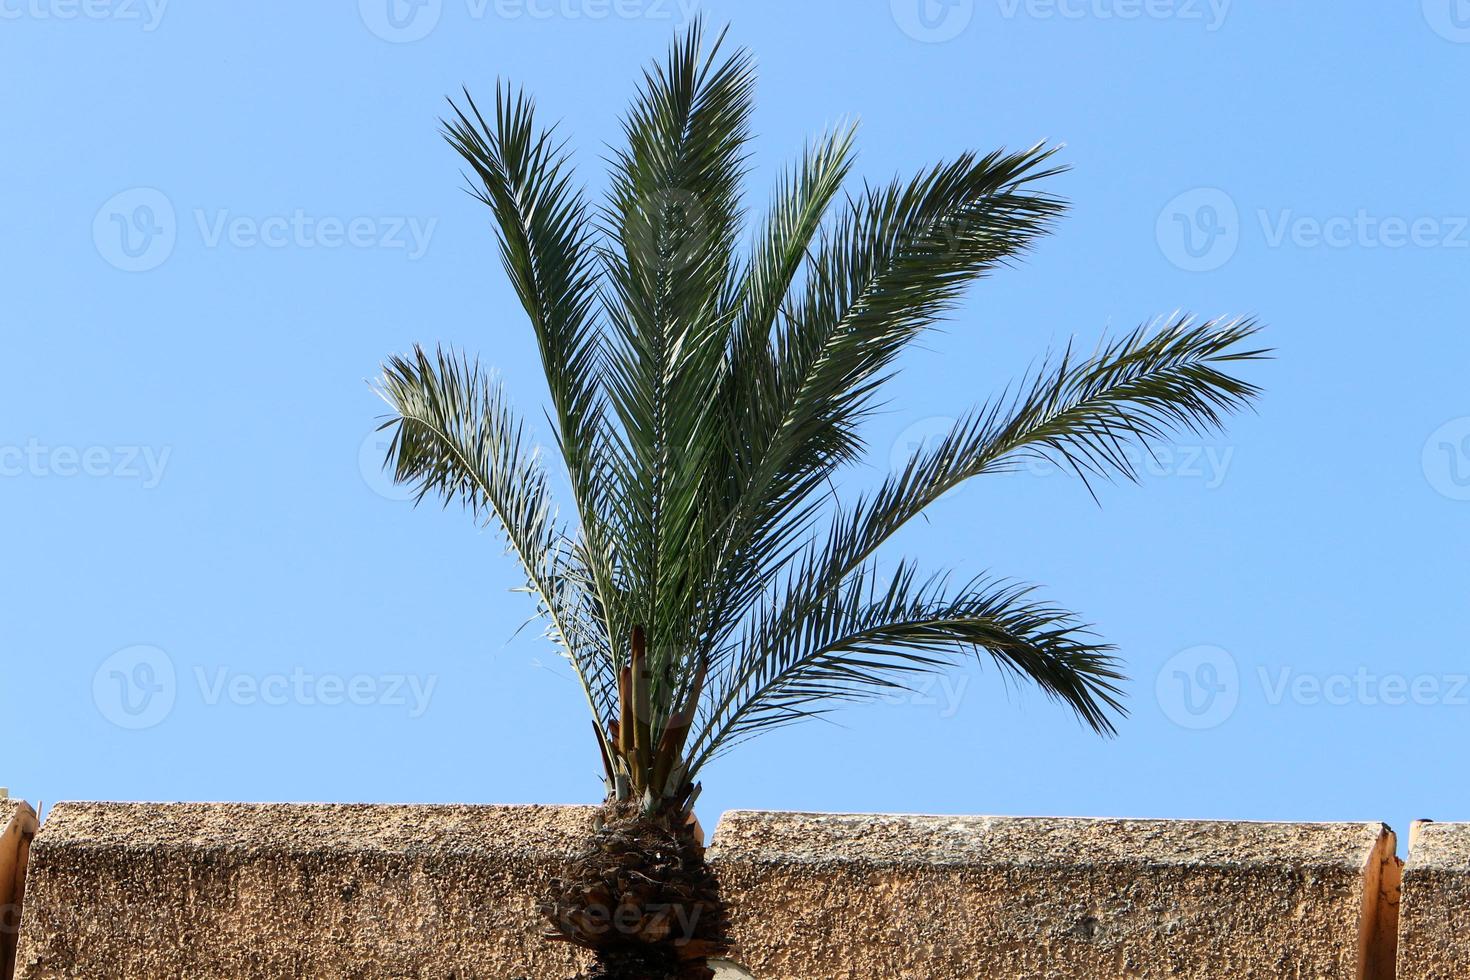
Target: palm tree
711 589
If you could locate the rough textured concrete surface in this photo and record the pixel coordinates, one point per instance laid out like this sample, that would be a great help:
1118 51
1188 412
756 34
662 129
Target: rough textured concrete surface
1434 932
206 892
147 892
935 898
17 828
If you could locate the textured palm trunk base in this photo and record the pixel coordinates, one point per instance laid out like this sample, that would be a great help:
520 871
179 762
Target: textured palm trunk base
643 898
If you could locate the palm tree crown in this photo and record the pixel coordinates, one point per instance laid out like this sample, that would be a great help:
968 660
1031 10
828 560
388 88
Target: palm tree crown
704 391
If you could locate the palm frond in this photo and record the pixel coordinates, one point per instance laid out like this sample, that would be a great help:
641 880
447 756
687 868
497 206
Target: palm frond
672 220
549 251
869 638
455 437
897 259
1084 414
799 204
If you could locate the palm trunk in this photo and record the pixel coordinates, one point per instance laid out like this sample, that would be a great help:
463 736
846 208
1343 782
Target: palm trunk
642 898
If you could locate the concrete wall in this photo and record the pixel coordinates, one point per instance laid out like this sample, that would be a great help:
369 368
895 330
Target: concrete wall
928 897
313 892
1435 915
319 892
17 828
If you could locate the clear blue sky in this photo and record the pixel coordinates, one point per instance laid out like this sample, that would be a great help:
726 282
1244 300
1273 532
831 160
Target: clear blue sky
220 217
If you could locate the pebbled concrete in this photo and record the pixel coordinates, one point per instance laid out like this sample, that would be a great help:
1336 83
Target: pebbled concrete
1434 933
823 897
311 892
208 892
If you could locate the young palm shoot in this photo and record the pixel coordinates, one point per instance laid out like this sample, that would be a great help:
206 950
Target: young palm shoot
705 390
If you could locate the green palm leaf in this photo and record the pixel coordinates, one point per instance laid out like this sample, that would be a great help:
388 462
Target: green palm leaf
869 637
456 438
